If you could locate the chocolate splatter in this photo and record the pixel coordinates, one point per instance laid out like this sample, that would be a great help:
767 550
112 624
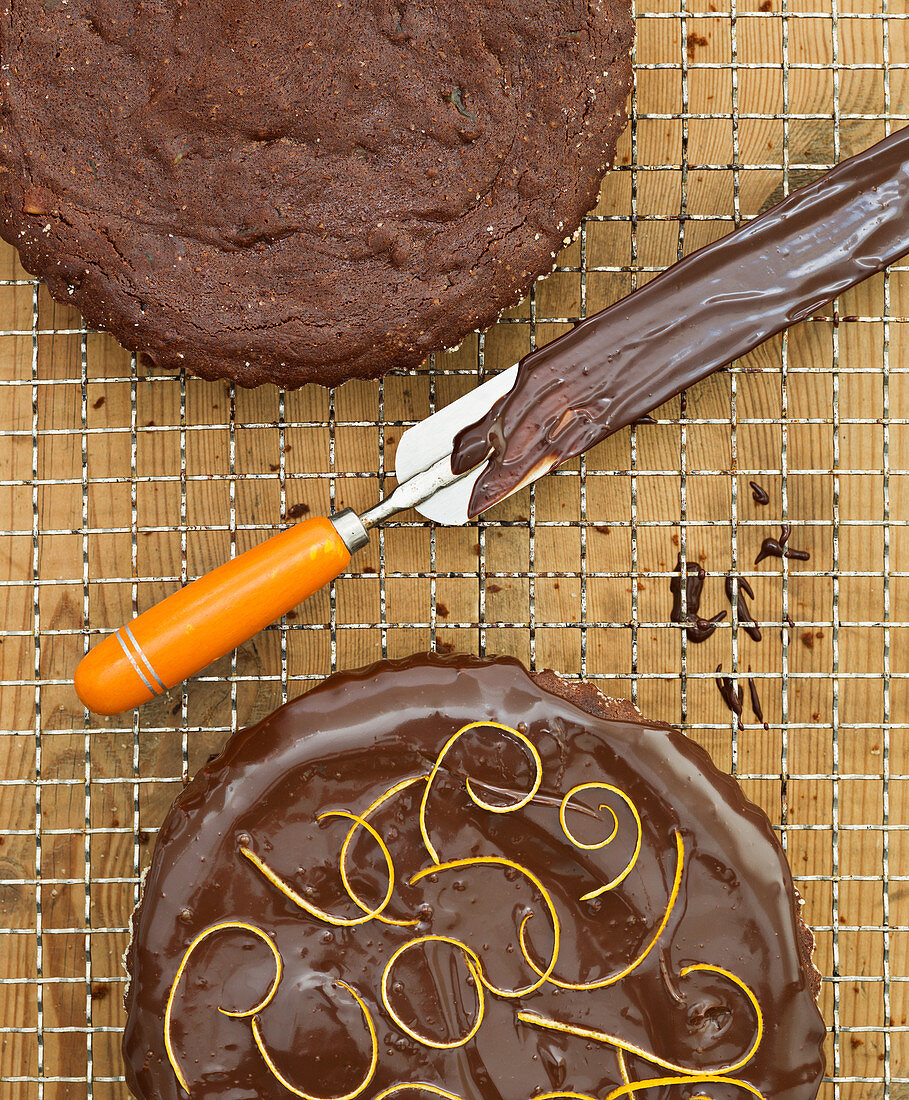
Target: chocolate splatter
732 694
442 610
298 511
692 42
777 548
698 630
97 404
736 590
759 493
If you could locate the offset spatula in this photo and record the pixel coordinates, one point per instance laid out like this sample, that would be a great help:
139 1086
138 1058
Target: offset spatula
613 368
213 615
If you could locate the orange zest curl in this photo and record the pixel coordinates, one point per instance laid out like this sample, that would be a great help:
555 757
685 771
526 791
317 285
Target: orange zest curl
629 866
476 971
601 983
499 861
291 894
224 926
623 1070
563 1093
351 833
692 1079
477 801
370 912
752 1050
417 1086
567 1094
281 1079
718 1073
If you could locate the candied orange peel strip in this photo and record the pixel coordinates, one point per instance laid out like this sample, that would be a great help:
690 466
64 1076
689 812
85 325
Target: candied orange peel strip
291 894
281 1079
476 971
232 925
629 866
500 861
600 983
475 798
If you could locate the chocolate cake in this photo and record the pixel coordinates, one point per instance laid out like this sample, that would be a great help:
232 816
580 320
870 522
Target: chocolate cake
448 877
302 191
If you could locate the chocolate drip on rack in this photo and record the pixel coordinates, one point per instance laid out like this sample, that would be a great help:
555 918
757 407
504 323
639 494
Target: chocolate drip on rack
698 316
737 588
756 707
777 548
758 493
732 693
699 629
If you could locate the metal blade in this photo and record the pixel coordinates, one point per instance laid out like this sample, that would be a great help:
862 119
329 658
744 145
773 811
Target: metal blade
432 439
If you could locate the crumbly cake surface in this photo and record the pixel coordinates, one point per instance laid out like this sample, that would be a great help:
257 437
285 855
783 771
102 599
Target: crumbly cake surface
303 190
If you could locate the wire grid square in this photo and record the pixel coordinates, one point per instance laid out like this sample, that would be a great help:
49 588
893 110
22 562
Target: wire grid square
119 483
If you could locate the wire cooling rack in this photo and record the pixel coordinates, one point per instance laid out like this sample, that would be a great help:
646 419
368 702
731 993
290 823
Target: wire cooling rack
119 483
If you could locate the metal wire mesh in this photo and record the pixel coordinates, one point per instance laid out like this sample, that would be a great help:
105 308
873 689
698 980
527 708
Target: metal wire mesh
119 482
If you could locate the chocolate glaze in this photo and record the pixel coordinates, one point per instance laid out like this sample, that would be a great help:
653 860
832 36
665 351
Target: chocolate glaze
732 693
777 548
758 493
344 744
699 629
736 590
699 315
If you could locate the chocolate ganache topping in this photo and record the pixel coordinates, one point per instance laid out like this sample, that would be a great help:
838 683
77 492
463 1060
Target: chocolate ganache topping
450 878
699 315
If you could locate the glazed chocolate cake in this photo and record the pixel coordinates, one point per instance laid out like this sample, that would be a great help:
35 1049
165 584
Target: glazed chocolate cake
302 190
448 877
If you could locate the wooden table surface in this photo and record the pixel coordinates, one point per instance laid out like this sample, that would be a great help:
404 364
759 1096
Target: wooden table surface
118 483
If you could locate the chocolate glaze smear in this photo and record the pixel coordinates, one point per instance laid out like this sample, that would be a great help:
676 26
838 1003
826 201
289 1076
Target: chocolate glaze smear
699 315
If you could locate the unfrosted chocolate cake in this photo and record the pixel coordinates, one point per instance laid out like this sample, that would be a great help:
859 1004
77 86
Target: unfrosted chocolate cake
303 190
448 877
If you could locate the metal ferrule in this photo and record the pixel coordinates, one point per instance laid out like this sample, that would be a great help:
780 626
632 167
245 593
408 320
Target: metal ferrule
350 527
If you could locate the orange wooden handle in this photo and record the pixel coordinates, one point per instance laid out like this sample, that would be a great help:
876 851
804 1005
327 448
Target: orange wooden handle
209 617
